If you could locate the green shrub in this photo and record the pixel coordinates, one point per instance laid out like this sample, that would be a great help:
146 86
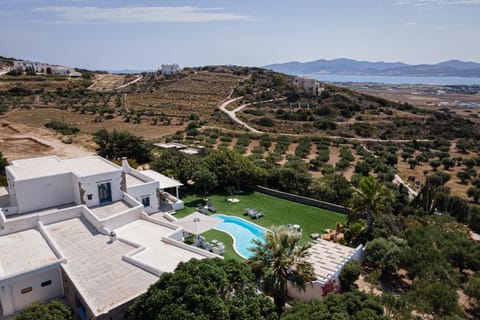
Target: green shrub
349 274
62 127
54 310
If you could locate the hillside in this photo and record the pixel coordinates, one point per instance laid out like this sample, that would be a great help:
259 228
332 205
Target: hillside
153 105
273 104
450 68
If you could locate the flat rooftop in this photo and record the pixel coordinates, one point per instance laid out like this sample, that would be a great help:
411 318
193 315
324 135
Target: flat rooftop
47 166
327 257
34 249
164 181
36 167
132 180
89 166
170 145
189 151
110 209
96 267
163 256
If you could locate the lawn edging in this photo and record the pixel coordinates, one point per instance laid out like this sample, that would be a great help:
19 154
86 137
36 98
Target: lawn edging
301 199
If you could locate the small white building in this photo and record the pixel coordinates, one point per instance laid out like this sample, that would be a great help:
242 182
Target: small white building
170 69
328 259
80 229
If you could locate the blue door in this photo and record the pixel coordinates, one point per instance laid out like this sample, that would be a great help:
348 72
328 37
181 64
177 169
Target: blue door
105 192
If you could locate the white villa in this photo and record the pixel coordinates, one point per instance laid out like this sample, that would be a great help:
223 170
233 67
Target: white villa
87 230
170 68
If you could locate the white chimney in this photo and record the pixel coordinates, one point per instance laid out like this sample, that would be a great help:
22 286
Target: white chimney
125 165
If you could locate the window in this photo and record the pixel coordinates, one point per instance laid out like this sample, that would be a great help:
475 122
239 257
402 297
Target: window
26 290
89 196
146 201
46 283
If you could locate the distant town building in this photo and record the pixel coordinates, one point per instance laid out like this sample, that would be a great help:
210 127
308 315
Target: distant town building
310 85
40 67
170 68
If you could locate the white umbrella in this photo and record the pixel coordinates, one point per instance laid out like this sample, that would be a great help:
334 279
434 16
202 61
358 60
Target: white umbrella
197 223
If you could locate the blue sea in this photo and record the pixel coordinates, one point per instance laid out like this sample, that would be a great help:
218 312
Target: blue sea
395 79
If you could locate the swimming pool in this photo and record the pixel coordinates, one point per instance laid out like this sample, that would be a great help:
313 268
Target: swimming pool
242 232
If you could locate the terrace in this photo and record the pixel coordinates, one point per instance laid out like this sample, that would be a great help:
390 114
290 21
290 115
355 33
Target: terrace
277 212
96 266
110 209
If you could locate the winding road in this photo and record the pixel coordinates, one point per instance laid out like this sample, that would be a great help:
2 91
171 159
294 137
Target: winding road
232 115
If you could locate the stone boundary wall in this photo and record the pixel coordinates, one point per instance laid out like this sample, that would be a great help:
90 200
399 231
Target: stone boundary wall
303 200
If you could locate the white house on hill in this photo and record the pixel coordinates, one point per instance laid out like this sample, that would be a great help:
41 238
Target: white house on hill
170 68
80 229
311 86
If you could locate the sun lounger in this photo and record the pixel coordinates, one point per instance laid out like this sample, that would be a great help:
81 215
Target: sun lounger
252 213
199 241
202 210
219 248
211 207
207 246
258 215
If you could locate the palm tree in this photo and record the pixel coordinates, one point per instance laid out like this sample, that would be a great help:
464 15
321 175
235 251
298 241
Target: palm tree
281 260
371 198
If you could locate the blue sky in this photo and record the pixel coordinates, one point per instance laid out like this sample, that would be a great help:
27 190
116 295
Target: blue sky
121 34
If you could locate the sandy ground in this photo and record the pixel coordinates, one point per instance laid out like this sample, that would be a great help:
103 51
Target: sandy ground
253 143
107 81
20 141
233 143
36 118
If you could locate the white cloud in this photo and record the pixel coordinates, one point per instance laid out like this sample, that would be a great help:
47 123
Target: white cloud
425 3
62 14
412 24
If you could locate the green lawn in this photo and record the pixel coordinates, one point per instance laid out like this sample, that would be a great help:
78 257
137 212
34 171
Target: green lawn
277 212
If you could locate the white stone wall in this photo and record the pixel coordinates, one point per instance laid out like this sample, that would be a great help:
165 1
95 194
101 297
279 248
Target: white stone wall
45 192
14 300
90 185
143 190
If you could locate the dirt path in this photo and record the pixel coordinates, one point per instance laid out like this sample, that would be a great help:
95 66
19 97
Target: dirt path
232 115
131 82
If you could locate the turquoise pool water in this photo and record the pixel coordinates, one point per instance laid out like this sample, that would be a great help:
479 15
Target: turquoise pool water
242 231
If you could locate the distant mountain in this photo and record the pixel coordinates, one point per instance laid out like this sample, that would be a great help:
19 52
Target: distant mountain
450 68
